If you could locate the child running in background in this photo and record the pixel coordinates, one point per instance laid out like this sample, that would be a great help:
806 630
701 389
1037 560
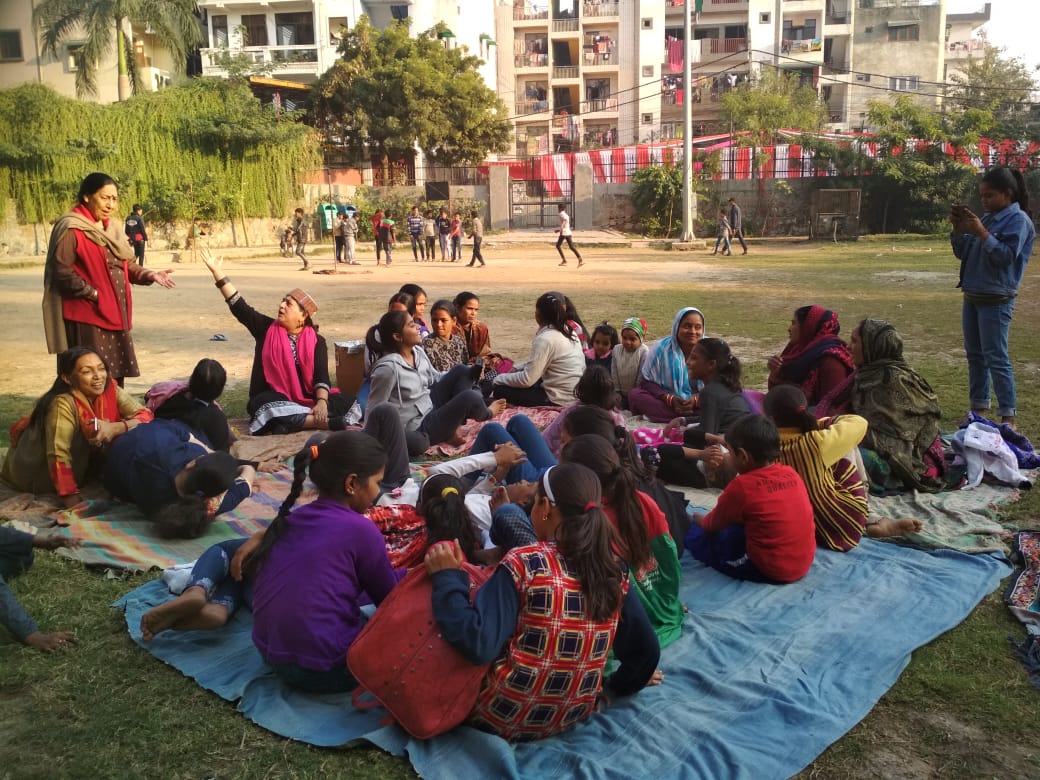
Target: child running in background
16 556
817 450
627 358
567 591
604 339
642 538
443 346
721 404
304 632
593 389
762 527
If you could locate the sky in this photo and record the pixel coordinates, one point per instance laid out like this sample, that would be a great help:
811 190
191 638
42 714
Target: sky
1013 24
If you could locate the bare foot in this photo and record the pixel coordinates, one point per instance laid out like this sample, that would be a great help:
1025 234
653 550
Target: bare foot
48 643
162 617
898 527
497 407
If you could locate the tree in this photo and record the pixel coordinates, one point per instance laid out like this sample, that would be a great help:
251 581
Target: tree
914 177
100 23
773 101
389 93
657 196
1003 86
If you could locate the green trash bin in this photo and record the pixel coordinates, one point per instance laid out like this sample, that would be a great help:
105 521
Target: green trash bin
327 214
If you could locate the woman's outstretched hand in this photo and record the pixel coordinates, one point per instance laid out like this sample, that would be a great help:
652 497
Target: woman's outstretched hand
162 278
214 264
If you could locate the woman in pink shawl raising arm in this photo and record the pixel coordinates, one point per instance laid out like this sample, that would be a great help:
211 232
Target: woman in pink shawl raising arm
289 388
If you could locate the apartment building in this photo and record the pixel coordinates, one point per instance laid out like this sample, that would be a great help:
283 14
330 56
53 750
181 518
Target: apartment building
22 61
583 74
963 41
298 40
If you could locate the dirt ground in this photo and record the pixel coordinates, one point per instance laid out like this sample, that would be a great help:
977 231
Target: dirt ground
172 328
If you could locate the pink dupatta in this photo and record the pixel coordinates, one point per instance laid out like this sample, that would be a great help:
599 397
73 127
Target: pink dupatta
280 368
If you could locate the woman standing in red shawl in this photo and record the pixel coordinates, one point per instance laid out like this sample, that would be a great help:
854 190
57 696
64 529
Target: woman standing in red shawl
815 358
90 267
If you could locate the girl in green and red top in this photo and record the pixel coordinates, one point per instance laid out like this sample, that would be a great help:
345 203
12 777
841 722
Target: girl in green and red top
526 618
642 538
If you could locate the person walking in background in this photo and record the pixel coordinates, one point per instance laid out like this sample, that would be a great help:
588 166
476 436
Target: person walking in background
566 235
339 236
350 231
443 223
136 232
429 231
476 232
722 235
301 234
736 223
387 233
376 219
456 237
415 229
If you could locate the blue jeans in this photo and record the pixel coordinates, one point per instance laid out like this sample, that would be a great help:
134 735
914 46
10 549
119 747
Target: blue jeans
511 527
724 551
523 433
212 572
456 248
986 345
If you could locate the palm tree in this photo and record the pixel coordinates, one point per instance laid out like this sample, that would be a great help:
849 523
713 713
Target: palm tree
99 23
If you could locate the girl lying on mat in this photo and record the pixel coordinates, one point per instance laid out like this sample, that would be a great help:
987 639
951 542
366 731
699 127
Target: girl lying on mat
549 616
762 528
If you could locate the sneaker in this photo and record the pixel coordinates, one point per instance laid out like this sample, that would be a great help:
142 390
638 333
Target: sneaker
563 263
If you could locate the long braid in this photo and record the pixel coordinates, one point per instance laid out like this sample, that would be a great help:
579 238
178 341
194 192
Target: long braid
278 526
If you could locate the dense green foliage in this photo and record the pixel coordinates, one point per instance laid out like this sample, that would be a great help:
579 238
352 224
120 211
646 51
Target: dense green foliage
208 148
97 25
1002 86
771 102
389 93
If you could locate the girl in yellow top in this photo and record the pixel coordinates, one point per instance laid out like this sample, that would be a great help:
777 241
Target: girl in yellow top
817 450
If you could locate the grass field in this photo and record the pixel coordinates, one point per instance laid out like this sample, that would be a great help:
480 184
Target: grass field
963 708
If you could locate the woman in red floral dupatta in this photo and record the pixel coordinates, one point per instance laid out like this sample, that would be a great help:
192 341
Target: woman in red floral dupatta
815 358
55 448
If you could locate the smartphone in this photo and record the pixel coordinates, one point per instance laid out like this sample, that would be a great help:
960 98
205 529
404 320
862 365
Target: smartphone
478 368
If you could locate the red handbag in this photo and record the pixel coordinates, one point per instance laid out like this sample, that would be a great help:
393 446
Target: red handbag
400 657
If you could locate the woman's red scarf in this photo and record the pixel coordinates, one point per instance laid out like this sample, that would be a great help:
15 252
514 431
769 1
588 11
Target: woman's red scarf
283 374
818 338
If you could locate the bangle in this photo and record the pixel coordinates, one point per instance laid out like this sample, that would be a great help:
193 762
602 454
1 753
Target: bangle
126 427
221 282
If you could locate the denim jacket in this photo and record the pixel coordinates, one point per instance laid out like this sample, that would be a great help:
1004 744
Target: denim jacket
995 266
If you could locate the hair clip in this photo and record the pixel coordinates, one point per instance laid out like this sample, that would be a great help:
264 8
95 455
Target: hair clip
448 490
590 506
314 452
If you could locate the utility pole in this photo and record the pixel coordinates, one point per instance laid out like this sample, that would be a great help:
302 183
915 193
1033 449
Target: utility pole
687 170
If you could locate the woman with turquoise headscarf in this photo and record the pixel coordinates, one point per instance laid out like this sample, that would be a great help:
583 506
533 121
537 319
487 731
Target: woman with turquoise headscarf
664 390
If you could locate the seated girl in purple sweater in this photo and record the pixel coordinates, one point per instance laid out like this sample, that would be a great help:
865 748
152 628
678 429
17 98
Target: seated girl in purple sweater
315 563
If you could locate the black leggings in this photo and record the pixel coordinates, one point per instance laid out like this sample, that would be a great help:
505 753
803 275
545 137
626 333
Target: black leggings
455 400
570 243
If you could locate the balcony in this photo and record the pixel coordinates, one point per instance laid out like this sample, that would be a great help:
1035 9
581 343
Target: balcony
285 59
599 10
600 104
528 109
530 14
835 66
673 7
565 25
531 60
565 71
592 59
957 50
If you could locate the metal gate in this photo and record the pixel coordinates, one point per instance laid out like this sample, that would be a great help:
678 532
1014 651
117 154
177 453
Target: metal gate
535 203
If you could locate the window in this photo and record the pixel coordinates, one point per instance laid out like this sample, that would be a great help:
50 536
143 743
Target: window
398 12
10 46
806 32
904 83
71 53
906 32
763 18
646 23
294 29
648 71
254 29
220 32
868 29
864 77
647 119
